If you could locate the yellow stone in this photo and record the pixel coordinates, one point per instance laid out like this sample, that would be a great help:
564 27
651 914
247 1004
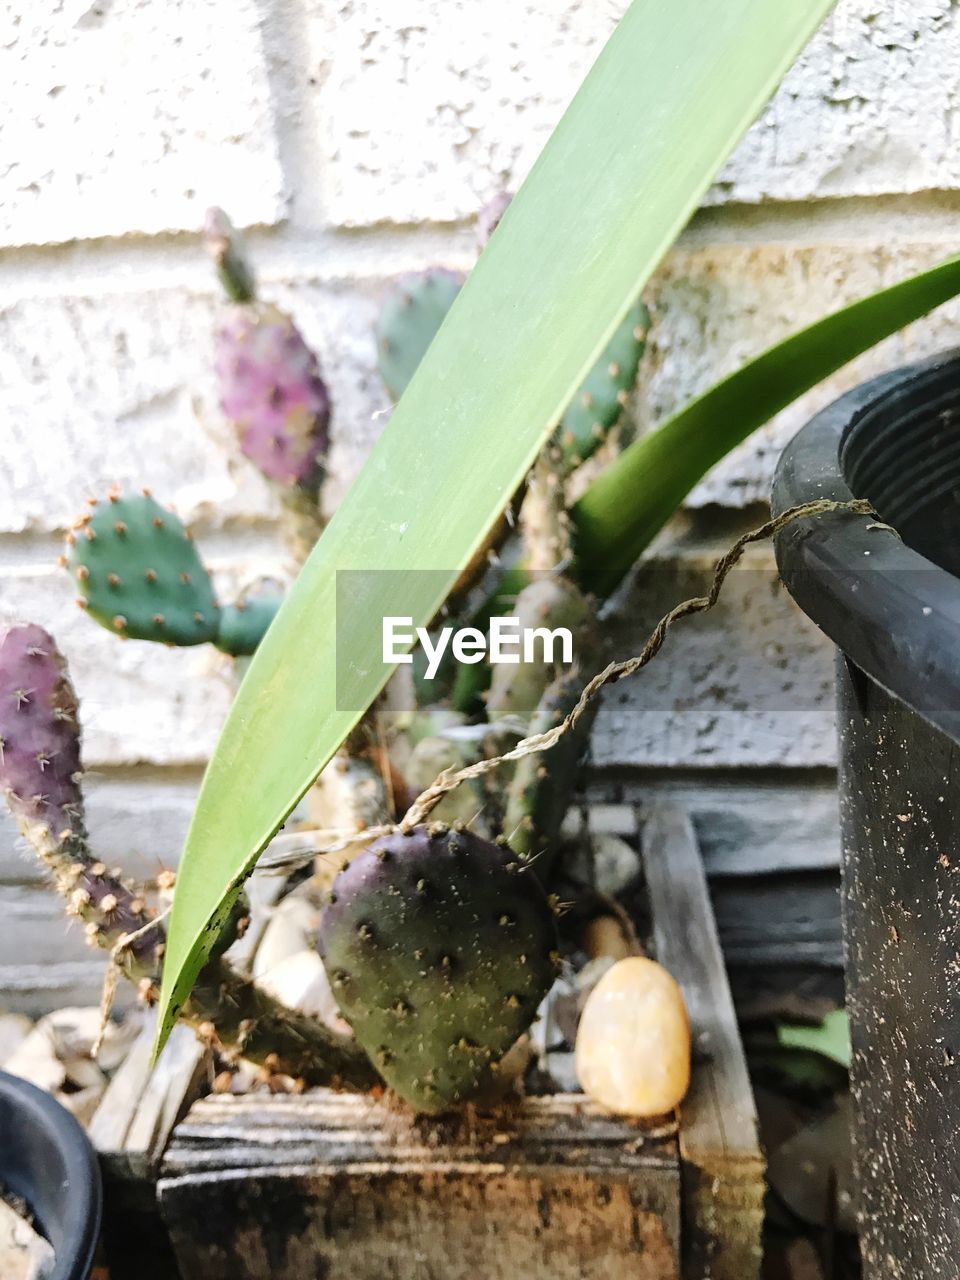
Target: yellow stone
633 1041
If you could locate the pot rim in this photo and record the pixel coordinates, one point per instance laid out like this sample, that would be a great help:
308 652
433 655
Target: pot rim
892 611
66 1197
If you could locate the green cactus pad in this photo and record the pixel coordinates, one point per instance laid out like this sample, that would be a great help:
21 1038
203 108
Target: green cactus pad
139 574
595 409
427 761
548 602
539 791
408 323
244 624
439 947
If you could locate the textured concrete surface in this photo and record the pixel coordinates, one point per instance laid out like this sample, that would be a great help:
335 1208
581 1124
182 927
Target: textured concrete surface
472 91
121 116
357 139
749 683
869 109
717 307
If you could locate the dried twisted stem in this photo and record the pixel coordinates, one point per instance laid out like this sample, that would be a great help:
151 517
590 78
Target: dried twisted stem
447 781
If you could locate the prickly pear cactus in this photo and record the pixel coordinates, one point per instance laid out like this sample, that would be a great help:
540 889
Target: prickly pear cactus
540 787
428 759
39 733
271 387
439 947
139 574
226 249
408 323
40 775
272 391
595 409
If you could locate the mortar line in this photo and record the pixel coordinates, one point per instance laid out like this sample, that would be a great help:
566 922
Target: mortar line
350 256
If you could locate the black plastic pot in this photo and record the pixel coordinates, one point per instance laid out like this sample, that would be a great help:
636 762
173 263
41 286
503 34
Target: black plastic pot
893 608
46 1159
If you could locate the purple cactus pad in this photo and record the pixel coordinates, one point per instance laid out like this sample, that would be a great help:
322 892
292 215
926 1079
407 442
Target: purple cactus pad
39 732
271 389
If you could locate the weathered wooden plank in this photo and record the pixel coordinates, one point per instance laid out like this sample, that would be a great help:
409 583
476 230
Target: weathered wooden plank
770 846
780 920
130 1130
173 1084
339 1186
144 1101
109 1126
747 822
722 1165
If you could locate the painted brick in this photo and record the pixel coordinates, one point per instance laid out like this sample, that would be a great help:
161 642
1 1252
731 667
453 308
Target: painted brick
748 824
119 388
868 109
750 683
133 115
716 308
36 925
429 108
129 397
36 989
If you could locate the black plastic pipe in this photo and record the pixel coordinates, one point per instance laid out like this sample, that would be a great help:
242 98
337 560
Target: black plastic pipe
891 603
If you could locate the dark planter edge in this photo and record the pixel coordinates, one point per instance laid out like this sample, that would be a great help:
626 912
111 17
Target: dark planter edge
69 1216
903 630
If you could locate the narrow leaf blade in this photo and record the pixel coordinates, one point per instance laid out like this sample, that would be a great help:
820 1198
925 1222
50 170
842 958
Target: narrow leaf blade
629 502
658 114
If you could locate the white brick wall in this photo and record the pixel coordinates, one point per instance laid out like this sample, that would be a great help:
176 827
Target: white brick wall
120 117
358 138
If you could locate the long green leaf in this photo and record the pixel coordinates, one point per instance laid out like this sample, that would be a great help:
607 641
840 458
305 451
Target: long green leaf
663 106
629 502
